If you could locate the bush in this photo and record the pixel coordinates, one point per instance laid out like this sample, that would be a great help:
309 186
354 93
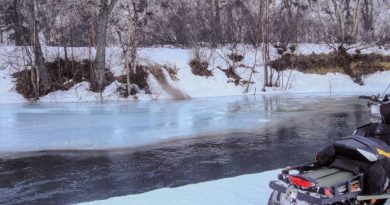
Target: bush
200 68
172 71
64 75
231 74
236 57
139 78
355 65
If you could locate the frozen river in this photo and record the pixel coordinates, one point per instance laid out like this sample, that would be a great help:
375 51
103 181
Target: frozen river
106 126
84 152
102 126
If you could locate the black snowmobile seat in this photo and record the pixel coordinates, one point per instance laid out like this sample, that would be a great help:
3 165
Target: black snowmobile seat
349 165
360 148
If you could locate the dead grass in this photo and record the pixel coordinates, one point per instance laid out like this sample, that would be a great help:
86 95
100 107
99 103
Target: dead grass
233 76
64 76
354 65
139 78
200 68
157 71
236 57
172 71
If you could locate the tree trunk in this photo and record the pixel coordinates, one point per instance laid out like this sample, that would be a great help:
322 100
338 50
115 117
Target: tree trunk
42 78
132 41
264 31
100 60
341 21
101 42
216 24
368 15
356 19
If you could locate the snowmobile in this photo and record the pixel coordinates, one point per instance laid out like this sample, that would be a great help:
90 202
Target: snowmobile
343 181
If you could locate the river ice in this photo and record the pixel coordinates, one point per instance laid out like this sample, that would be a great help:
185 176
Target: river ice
121 125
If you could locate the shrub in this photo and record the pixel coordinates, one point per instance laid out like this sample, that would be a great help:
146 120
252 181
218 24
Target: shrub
139 79
355 65
172 71
236 57
200 68
64 74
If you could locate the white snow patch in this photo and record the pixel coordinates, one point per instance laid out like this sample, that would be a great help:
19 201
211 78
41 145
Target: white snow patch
243 190
8 93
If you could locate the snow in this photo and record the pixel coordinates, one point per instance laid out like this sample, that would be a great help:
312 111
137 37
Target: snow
250 189
194 86
243 190
7 91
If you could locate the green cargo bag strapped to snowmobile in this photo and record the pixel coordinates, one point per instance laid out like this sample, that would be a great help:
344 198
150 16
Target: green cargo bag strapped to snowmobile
352 171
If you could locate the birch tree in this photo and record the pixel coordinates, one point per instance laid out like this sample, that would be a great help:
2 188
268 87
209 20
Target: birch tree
41 78
128 27
264 12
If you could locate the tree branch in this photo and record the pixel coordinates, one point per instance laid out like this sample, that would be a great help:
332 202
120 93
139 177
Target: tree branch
111 6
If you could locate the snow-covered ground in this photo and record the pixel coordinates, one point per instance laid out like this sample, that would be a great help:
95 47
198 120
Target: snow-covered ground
194 86
243 190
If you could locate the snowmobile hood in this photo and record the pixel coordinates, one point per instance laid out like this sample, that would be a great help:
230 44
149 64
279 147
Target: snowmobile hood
362 148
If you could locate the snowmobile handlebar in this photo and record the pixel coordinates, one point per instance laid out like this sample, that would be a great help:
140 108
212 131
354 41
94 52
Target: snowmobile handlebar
376 98
372 98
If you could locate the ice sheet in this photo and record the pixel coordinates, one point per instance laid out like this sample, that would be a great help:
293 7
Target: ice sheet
119 125
99 126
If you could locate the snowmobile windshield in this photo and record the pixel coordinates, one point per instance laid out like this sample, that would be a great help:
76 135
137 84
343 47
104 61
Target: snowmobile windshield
375 110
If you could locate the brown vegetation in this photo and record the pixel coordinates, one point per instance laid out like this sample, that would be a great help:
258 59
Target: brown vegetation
158 73
234 77
236 57
200 68
139 78
172 71
64 75
355 65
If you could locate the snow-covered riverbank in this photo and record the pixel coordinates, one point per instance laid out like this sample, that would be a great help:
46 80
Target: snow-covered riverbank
243 190
187 83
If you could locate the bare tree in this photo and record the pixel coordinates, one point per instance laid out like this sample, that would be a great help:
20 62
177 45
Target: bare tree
40 75
348 19
128 33
105 9
264 10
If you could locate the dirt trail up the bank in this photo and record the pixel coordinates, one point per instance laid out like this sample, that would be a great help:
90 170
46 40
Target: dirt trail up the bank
158 73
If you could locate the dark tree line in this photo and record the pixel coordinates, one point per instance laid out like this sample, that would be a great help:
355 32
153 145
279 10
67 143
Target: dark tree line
214 22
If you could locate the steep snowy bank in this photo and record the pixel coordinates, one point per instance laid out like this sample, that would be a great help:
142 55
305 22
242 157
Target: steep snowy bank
189 84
